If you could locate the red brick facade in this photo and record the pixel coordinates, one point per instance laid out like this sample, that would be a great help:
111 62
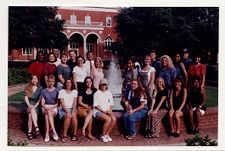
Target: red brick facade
86 28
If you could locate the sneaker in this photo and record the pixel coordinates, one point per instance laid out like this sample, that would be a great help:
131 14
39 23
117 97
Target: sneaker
108 137
104 139
47 139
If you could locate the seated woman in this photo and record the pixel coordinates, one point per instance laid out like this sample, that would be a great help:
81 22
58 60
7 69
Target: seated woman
68 110
178 97
85 105
196 104
103 103
31 98
157 110
49 103
136 108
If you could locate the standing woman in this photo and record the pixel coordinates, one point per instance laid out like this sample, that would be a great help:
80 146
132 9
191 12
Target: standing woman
178 108
85 108
157 110
31 98
103 103
79 73
167 71
180 68
63 71
49 103
147 77
68 110
130 73
50 67
37 67
197 69
97 72
136 109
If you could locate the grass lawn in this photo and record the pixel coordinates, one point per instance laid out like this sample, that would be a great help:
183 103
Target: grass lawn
211 96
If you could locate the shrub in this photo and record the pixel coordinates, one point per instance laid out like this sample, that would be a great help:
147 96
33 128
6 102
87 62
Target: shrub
17 76
20 143
197 140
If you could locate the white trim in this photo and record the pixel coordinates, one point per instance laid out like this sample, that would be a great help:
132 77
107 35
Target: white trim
77 32
94 34
98 9
26 54
90 28
65 34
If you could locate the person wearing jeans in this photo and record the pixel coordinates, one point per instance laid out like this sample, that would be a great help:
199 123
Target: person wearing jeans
136 108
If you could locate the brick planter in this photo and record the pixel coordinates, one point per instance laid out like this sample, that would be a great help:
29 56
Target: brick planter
17 119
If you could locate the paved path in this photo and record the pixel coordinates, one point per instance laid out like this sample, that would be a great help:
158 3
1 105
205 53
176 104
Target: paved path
16 88
164 140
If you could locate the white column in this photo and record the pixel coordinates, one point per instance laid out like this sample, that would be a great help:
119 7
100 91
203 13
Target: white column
97 47
85 49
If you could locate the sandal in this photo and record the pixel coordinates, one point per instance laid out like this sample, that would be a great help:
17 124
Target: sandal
64 139
74 138
130 137
30 135
37 131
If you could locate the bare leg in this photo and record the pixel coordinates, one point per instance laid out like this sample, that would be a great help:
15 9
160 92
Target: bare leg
107 120
52 114
177 118
198 114
191 118
29 123
171 115
46 125
66 124
74 123
87 120
34 117
111 125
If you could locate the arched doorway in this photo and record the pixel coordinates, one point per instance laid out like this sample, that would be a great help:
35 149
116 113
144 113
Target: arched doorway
76 42
92 44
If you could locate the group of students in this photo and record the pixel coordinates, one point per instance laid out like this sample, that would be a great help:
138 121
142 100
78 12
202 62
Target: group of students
76 87
164 86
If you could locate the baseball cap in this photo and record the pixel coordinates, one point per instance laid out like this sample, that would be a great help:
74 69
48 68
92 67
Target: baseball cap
103 81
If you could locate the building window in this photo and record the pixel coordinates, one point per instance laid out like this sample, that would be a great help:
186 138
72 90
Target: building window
27 51
108 43
90 47
74 45
87 20
58 16
73 19
108 22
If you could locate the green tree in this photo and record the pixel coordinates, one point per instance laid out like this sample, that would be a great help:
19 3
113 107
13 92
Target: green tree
167 29
35 27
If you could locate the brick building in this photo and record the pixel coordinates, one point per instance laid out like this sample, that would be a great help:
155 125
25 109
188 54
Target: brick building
86 28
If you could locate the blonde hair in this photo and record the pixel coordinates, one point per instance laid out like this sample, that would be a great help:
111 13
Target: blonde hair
169 60
156 87
101 62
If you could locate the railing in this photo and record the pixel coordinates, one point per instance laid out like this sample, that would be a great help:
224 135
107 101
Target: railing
82 23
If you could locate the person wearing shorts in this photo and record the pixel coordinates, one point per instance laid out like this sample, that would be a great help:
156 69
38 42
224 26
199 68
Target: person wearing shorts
196 104
103 103
68 109
49 103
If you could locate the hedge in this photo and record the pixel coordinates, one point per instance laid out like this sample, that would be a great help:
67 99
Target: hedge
17 76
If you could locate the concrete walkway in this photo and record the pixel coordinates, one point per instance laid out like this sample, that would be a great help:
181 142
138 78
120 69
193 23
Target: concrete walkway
164 140
13 89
